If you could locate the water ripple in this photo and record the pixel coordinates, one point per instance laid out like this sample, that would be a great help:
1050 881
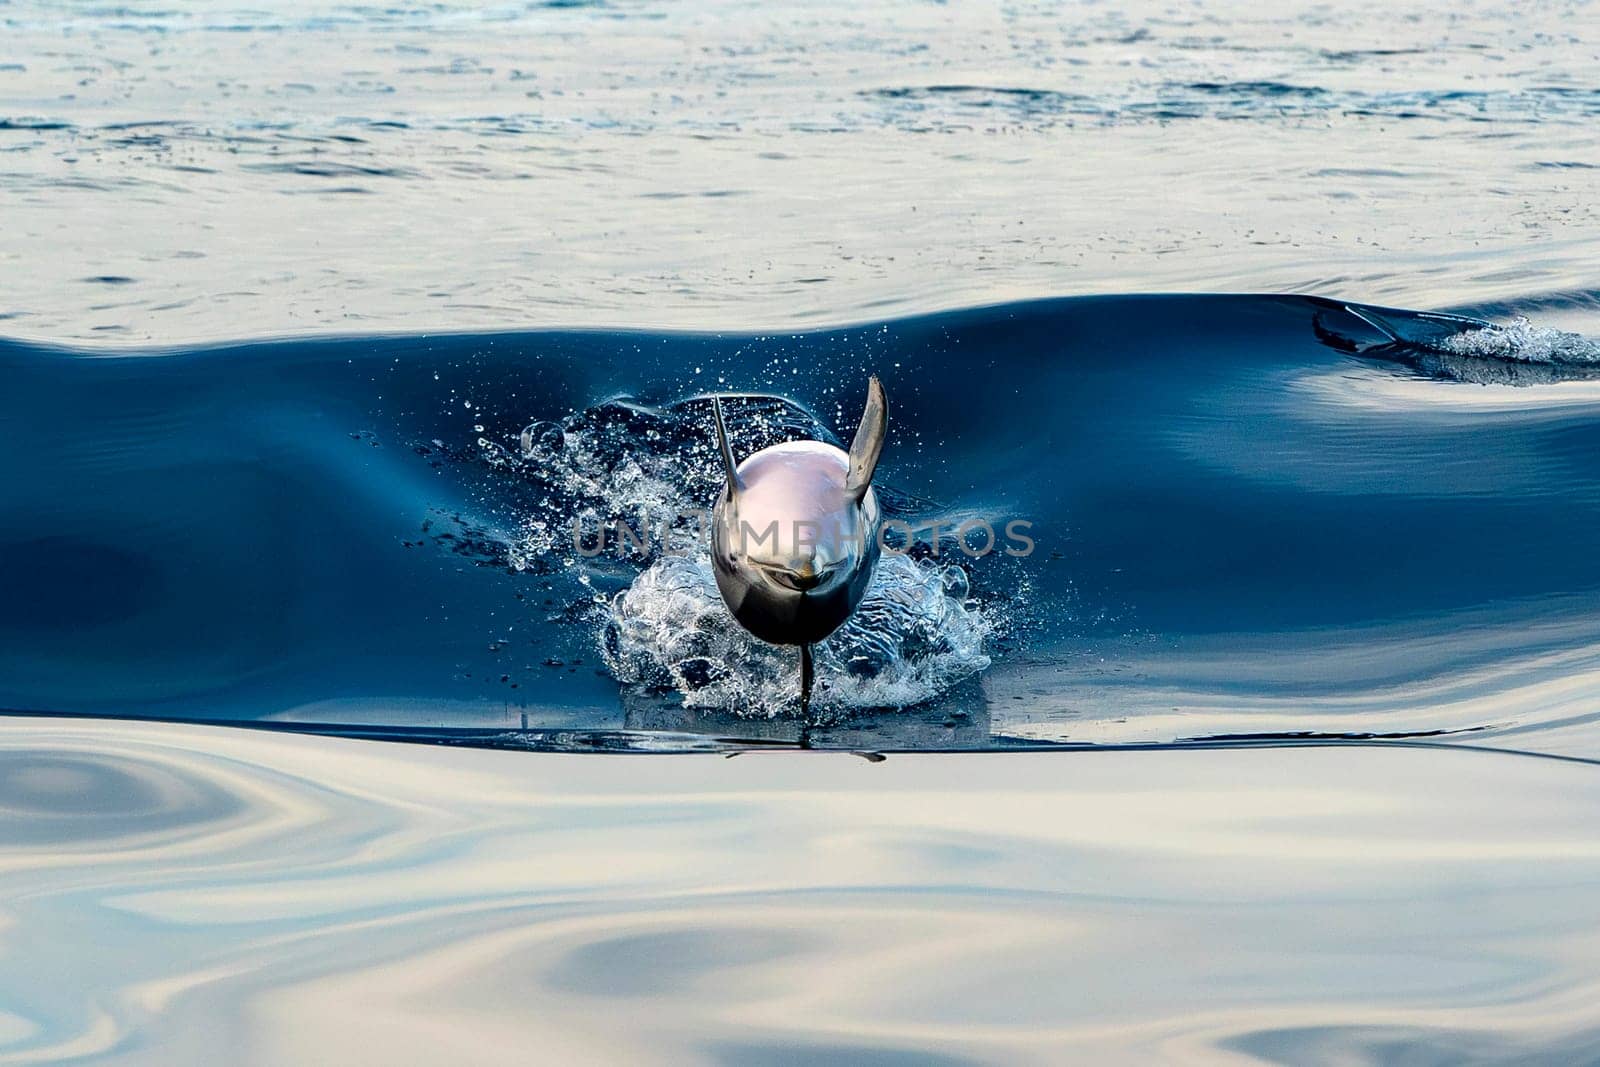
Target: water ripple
445 905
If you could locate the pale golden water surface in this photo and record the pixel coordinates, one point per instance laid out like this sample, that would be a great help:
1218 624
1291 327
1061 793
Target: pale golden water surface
174 891
181 172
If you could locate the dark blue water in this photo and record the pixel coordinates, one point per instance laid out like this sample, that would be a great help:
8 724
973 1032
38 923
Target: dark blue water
1250 516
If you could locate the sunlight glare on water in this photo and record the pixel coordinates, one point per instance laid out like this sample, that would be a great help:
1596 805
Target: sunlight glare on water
296 899
179 172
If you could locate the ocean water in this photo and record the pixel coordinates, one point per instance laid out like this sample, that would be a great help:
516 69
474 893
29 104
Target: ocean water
184 172
1266 340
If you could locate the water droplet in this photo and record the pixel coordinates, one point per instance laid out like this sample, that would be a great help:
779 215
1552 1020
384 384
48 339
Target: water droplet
954 581
546 437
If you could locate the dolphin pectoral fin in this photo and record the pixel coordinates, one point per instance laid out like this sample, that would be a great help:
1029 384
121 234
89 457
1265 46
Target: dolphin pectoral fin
728 465
1424 329
868 443
1376 321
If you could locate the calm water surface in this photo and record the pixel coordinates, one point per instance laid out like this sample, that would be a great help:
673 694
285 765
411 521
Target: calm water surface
319 325
297 899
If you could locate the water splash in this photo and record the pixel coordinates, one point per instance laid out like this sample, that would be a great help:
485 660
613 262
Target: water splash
649 467
654 468
1462 349
915 635
1523 342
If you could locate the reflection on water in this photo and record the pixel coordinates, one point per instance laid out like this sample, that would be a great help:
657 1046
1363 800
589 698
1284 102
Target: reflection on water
188 171
1252 515
304 899
50 799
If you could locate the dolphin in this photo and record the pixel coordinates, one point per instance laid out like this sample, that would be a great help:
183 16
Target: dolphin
794 533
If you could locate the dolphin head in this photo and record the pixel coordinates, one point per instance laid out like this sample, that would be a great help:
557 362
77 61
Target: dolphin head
795 531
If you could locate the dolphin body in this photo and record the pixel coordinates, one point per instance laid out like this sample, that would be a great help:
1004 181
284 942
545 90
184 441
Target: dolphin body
794 534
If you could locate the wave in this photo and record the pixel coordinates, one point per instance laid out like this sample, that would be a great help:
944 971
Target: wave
375 534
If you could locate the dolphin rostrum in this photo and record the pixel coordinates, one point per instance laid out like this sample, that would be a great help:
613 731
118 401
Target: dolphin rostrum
795 534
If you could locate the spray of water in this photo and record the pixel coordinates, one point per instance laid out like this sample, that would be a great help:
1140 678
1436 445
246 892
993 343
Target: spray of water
919 631
1522 341
916 634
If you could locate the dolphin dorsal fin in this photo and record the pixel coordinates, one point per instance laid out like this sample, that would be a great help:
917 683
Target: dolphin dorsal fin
728 465
868 445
